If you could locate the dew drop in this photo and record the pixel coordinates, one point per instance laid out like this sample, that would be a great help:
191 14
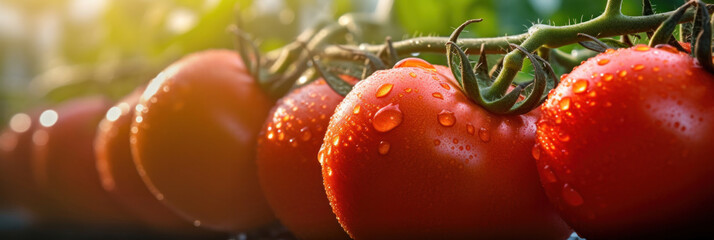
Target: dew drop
407 90
329 171
384 90
437 142
638 67
484 135
456 141
571 196
446 118
536 152
271 135
549 175
580 86
563 137
667 48
414 62
564 103
607 77
336 141
642 48
412 74
655 69
387 118
610 50
196 223
445 86
383 147
356 109
305 134
293 142
622 73
437 95
603 61
281 135
470 128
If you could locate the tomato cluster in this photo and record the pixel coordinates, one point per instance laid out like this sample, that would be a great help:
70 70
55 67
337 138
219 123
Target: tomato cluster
621 148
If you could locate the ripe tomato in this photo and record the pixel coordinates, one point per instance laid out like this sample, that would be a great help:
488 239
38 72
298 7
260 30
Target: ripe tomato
194 137
287 161
408 155
625 145
64 164
16 180
118 173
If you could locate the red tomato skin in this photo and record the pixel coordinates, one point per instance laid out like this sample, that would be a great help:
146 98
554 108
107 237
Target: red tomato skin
194 141
287 161
64 166
118 173
433 181
633 145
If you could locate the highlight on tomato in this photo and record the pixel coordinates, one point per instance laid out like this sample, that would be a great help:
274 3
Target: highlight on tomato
193 140
408 155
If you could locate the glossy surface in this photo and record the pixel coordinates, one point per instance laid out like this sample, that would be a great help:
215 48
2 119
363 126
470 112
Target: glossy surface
194 137
430 175
118 172
625 148
287 161
64 165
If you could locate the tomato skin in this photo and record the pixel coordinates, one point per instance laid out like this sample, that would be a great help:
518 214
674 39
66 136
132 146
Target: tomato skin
430 177
64 166
287 161
194 138
630 133
118 172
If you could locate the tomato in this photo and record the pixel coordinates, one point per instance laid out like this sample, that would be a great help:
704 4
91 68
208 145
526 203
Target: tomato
118 173
194 137
407 155
64 164
16 182
625 145
287 161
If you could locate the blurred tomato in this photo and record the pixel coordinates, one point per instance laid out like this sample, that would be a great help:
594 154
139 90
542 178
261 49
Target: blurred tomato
64 164
194 138
287 161
118 173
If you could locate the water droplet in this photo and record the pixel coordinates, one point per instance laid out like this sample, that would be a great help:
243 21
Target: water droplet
445 86
271 135
336 141
607 77
407 90
655 69
667 48
456 141
571 196
196 223
688 72
610 50
446 118
293 142
412 74
329 171
580 86
387 118
281 135
305 134
536 152
356 109
549 175
642 48
563 137
470 128
414 62
592 94
437 95
564 104
437 142
638 67
603 61
484 135
383 147
384 89
608 104
622 73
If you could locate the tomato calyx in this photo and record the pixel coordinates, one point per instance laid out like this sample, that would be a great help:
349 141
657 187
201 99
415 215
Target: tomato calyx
478 85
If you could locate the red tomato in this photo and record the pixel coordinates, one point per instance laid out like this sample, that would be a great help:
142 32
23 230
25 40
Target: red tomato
407 155
625 145
64 164
287 161
16 180
194 137
118 173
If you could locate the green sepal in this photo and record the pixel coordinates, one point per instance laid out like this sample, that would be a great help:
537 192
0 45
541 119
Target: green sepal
449 51
663 35
703 47
533 91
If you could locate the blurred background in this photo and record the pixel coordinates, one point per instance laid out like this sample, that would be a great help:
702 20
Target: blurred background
52 50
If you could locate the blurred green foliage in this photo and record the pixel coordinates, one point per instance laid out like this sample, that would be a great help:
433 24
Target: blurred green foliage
62 53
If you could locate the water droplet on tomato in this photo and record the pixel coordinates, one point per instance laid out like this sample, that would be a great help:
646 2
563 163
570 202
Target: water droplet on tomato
667 48
281 135
336 141
484 135
456 141
638 67
563 137
610 50
549 175
329 171
407 90
305 134
446 118
293 142
622 73
387 118
603 61
655 69
562 77
412 74
445 86
383 147
536 151
196 223
564 103
470 128
642 48
356 109
437 142
384 90
608 104
271 135
571 196
607 77
437 95
414 62
580 86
